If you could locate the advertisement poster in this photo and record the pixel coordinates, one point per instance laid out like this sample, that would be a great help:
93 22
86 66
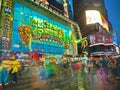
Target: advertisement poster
33 30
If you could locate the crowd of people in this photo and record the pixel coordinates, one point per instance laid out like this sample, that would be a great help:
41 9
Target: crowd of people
9 67
106 70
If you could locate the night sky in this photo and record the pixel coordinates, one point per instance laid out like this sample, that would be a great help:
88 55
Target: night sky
113 8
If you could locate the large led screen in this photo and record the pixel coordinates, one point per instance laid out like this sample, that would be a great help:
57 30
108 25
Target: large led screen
93 16
33 30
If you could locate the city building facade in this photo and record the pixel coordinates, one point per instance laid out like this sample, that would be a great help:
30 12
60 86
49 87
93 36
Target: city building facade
91 15
29 25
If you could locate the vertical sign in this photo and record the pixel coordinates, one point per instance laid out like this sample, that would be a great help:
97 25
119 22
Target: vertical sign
6 22
0 4
65 8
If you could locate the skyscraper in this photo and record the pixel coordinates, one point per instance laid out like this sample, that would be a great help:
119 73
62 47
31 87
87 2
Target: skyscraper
91 15
80 7
97 5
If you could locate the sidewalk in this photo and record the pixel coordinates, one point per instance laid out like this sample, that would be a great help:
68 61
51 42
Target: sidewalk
65 79
100 81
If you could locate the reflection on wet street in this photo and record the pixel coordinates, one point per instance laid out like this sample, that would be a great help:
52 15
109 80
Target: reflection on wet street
62 78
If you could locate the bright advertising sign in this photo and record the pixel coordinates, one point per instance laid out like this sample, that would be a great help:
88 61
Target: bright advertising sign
6 21
94 16
105 23
33 30
0 4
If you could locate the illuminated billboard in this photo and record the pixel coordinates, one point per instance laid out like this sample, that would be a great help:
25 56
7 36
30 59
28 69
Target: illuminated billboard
105 23
94 16
0 4
114 37
33 30
100 37
6 21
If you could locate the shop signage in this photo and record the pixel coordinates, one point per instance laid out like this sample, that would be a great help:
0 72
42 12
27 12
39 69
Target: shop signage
6 24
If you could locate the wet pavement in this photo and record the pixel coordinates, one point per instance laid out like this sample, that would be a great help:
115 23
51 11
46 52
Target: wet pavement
64 79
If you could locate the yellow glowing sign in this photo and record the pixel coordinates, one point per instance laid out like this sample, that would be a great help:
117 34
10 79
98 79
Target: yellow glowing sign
104 23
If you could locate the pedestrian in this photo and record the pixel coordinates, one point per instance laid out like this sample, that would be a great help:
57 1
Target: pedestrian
118 74
4 73
92 74
15 69
101 79
90 64
111 81
104 64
